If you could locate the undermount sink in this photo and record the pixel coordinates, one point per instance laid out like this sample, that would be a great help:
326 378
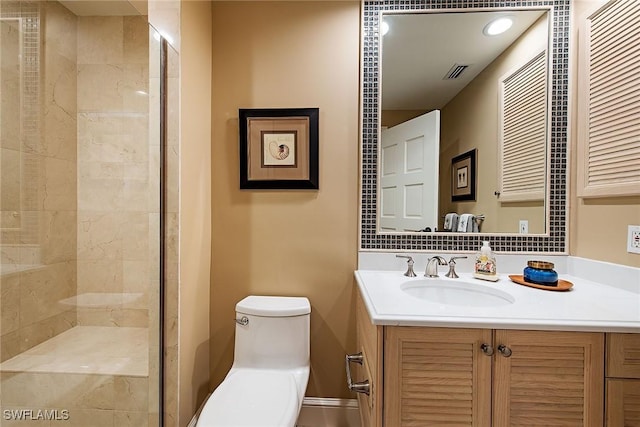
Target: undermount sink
453 292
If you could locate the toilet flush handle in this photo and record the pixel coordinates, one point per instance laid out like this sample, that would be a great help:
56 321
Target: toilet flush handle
244 321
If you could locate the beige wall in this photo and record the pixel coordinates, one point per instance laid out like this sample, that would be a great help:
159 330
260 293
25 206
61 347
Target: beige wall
195 206
389 118
598 226
299 54
303 243
469 121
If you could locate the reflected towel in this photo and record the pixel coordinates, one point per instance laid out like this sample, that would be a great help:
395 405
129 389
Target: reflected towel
465 224
474 224
451 222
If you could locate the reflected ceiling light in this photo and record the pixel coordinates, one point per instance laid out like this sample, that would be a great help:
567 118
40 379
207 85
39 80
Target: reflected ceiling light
498 26
384 27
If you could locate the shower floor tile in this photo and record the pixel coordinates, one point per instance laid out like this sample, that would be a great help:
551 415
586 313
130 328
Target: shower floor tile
88 350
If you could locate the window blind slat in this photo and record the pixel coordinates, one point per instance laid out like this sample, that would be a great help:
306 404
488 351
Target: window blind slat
615 130
608 12
615 73
613 146
614 43
608 102
600 21
613 154
605 38
627 111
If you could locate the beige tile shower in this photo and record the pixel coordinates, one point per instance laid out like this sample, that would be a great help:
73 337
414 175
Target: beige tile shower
79 229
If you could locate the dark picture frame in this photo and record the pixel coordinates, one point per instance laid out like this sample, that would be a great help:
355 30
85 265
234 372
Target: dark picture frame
279 148
463 177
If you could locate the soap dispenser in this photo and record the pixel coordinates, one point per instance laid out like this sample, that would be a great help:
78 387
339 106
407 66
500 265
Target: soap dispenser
485 265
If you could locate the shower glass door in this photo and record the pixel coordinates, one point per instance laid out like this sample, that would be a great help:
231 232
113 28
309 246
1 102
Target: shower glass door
79 215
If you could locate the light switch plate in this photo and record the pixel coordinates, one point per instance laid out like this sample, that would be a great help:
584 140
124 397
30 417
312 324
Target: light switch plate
633 239
524 226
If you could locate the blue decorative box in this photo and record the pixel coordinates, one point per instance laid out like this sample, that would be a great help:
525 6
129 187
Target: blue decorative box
541 273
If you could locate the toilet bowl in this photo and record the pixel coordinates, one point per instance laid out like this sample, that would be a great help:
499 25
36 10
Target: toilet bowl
267 381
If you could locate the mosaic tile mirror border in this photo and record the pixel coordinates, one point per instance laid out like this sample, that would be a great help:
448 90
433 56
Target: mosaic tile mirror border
555 241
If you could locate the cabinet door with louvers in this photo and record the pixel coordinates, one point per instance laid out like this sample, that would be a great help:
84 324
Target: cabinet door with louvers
548 379
436 377
608 103
523 131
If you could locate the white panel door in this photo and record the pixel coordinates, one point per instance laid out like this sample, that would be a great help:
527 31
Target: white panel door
409 174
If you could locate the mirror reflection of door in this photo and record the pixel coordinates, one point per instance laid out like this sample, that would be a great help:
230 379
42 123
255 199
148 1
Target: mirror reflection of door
459 74
409 174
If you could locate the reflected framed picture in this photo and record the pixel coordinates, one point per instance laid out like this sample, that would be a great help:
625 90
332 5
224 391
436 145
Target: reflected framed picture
279 148
463 177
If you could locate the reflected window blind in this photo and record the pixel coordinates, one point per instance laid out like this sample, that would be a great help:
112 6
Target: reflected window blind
610 147
523 132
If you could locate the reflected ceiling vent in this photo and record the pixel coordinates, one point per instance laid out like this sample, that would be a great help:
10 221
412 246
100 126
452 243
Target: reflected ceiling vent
455 72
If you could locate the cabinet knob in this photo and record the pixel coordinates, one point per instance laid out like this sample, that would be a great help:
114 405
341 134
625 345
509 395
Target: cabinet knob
486 349
504 350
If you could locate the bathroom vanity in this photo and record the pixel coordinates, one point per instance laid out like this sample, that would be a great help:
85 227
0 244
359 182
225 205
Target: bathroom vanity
468 352
512 364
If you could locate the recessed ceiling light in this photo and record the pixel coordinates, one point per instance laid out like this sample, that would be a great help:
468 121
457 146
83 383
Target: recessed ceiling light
498 26
384 28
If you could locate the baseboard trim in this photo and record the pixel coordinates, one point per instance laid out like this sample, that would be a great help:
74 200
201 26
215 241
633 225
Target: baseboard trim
329 412
328 402
320 412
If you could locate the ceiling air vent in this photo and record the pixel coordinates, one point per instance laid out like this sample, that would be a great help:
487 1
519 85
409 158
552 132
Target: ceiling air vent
455 72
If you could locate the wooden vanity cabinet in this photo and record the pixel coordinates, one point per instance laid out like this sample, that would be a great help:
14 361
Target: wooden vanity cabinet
444 376
623 380
369 343
436 376
551 379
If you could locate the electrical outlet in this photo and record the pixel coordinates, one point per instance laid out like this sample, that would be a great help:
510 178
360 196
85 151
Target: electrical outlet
633 239
524 226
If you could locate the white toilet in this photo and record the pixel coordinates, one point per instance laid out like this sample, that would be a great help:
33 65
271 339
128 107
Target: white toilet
267 381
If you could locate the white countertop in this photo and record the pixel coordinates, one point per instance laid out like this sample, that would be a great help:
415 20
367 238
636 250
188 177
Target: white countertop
588 306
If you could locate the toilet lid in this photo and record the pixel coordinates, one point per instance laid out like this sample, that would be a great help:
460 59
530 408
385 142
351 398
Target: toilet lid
252 398
269 306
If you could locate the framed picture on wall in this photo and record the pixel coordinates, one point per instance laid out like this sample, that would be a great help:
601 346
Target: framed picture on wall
463 177
279 148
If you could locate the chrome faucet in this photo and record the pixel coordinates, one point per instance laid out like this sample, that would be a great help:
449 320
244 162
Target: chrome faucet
432 266
452 267
410 272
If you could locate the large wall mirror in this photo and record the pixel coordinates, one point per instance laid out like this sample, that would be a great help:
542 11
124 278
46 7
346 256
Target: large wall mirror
464 133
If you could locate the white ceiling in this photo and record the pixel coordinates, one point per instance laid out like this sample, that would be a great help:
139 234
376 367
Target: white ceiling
105 7
420 48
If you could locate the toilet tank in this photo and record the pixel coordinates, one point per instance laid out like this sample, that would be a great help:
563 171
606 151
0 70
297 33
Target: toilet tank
276 335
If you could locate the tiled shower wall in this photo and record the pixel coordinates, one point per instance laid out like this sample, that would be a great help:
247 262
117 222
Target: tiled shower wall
43 149
89 169
114 195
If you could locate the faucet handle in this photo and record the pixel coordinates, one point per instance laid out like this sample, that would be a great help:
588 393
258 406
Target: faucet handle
409 272
452 267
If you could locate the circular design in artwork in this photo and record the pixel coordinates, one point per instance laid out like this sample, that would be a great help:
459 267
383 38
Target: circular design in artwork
278 151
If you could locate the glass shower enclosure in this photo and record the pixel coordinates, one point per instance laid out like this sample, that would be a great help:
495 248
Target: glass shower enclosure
80 215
